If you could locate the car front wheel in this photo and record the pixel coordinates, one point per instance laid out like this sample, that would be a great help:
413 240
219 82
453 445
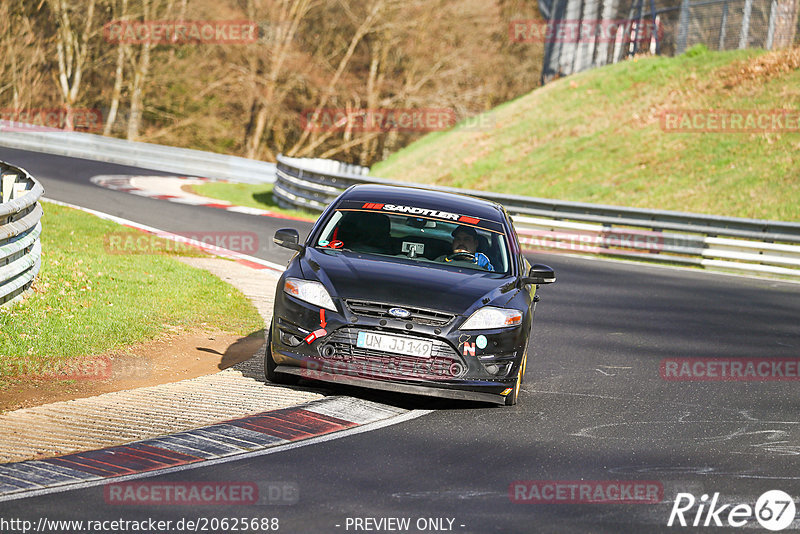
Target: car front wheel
270 365
511 398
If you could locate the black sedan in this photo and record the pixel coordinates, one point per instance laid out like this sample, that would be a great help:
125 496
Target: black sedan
407 290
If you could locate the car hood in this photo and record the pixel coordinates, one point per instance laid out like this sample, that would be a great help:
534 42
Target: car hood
349 275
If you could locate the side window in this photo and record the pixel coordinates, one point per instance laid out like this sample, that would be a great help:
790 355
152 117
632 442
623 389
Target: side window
358 231
498 253
514 238
516 251
329 232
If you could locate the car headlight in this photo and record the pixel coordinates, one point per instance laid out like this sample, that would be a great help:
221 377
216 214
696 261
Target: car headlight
309 291
490 317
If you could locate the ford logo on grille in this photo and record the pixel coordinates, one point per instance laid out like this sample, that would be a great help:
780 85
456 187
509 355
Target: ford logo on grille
400 313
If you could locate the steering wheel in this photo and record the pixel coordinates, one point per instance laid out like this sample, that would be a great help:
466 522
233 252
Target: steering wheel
461 256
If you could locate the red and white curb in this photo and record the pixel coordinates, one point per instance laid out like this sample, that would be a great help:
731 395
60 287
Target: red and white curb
170 188
236 439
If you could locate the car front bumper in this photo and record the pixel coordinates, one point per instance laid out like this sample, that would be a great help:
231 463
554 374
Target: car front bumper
458 368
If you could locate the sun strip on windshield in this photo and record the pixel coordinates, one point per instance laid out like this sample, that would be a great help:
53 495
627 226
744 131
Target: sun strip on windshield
466 220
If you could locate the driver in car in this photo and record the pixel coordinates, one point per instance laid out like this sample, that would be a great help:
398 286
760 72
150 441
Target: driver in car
465 248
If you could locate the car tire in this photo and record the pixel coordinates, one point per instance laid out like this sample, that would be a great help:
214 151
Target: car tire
270 365
511 398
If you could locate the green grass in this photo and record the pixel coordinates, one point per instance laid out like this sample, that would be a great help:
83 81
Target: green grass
88 300
597 137
251 195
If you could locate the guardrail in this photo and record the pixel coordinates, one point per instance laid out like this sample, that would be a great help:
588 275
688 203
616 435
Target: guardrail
182 161
20 227
753 245
313 183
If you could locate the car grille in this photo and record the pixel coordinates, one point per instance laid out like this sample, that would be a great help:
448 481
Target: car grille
444 363
380 310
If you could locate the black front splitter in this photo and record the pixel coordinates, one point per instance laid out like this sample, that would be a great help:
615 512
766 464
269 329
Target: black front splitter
398 387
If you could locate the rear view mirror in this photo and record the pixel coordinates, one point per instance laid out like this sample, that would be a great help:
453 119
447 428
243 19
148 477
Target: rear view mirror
539 274
289 238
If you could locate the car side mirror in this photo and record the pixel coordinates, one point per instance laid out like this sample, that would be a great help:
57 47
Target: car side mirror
289 238
539 274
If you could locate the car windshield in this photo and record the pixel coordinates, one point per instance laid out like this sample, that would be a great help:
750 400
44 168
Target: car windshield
420 239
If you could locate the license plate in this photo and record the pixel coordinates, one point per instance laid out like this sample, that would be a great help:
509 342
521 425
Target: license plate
395 344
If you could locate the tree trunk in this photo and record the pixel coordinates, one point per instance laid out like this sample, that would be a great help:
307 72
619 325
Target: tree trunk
302 147
785 23
141 69
290 15
71 51
118 78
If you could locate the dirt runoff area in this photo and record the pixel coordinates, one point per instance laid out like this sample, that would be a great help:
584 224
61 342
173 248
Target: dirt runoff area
172 357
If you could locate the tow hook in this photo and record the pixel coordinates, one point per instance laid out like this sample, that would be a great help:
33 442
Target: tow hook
315 335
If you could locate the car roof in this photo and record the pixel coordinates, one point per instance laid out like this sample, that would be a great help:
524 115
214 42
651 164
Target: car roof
425 198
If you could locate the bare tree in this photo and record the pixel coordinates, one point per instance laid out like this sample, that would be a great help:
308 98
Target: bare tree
140 58
314 54
394 47
72 47
285 21
121 13
302 147
141 68
786 22
24 57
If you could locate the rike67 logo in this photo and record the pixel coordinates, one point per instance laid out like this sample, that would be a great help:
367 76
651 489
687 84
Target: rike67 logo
774 510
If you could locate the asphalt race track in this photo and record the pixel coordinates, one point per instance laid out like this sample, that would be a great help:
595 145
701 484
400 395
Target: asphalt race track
594 406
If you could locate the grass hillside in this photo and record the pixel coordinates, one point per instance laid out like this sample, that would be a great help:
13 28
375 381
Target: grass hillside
597 137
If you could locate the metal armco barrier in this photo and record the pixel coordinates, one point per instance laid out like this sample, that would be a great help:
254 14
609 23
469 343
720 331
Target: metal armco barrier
20 227
756 246
313 183
146 155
